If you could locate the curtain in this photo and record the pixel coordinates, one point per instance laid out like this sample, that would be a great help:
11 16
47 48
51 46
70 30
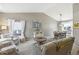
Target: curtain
23 28
10 24
16 25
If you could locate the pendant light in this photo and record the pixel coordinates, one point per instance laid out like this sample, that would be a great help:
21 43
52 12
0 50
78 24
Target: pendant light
60 22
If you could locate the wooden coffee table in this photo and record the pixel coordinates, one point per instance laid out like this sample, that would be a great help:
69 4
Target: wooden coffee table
41 41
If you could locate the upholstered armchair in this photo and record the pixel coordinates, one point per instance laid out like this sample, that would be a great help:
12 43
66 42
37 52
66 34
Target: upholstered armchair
65 46
49 48
58 47
8 48
40 38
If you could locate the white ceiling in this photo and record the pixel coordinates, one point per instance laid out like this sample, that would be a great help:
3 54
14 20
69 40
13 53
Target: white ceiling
51 9
24 7
66 9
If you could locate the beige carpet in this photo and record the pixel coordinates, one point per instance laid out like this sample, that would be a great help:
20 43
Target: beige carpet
29 48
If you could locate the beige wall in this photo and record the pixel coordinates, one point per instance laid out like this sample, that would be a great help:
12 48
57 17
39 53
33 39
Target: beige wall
48 24
3 21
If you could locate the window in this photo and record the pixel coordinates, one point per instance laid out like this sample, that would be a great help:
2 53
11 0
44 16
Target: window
16 27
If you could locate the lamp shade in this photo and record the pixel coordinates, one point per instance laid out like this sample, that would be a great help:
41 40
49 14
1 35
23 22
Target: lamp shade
3 27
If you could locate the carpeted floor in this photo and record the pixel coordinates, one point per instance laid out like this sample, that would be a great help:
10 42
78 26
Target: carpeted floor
29 48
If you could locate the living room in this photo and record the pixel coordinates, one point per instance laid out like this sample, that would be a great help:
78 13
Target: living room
33 28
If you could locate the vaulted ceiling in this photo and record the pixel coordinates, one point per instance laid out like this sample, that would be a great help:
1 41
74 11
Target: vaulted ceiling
51 9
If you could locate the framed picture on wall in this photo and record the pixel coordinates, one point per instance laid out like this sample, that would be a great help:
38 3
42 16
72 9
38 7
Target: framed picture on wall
36 25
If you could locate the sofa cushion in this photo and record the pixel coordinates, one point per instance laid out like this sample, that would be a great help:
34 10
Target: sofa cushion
10 50
5 44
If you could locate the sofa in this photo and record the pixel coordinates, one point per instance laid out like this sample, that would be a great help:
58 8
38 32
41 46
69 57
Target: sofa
8 48
58 47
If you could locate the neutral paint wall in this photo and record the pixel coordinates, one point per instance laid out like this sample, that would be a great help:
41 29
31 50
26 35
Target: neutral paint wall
2 21
48 24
